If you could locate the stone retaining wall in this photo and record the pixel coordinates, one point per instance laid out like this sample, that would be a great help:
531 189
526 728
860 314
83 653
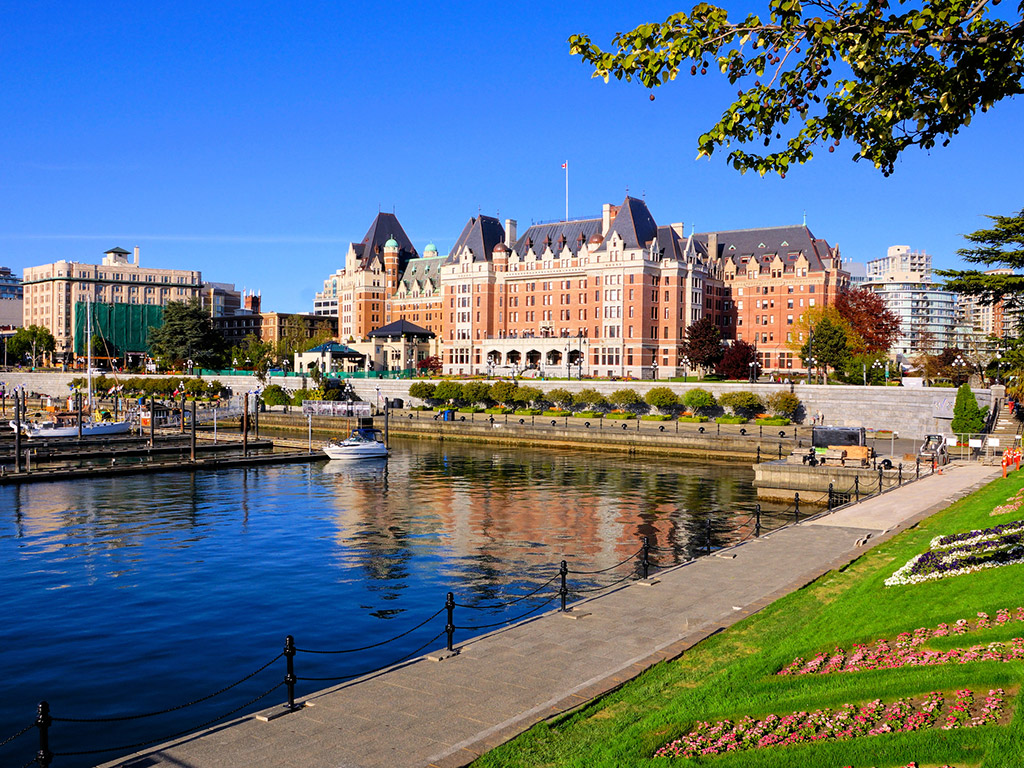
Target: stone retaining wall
908 410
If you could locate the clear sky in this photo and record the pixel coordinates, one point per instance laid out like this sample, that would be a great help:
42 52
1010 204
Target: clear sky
255 140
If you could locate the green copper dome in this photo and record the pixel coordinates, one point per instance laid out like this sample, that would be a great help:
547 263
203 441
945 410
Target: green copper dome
391 243
431 248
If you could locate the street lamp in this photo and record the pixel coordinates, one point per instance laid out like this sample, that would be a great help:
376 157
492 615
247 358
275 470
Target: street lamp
189 364
753 371
654 367
810 367
878 364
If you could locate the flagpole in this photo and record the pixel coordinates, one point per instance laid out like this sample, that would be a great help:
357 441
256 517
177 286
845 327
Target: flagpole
566 166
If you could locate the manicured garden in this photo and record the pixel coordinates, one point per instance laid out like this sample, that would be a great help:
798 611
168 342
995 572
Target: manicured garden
848 671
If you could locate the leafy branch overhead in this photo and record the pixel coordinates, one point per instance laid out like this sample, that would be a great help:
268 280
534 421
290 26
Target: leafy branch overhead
883 76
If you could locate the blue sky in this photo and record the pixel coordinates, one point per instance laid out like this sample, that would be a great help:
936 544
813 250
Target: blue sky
255 140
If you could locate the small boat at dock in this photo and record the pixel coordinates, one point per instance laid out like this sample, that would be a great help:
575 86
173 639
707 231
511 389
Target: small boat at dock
362 443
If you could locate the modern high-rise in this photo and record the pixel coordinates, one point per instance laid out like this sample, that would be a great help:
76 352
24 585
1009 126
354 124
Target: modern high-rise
928 314
10 299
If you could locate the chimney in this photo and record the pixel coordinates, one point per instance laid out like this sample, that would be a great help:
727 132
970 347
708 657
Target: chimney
679 229
136 254
510 232
606 218
713 245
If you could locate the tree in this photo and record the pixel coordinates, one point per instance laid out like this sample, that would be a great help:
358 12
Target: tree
662 398
503 392
901 79
590 399
698 400
704 343
876 326
560 397
422 390
626 399
448 391
430 364
526 396
255 355
784 404
828 345
745 404
274 395
31 341
967 417
474 392
735 363
187 334
1002 246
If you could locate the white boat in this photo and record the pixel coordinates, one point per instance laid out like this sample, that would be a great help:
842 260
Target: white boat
362 443
61 428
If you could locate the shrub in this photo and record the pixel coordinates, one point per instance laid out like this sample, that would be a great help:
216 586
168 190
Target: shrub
560 397
662 398
528 412
423 390
587 415
618 415
693 419
775 421
470 409
655 417
557 412
698 400
731 420
497 411
784 404
745 404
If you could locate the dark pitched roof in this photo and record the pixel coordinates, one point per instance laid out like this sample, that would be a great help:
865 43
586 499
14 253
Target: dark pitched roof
384 227
480 235
670 244
120 251
573 234
763 244
423 269
634 224
400 328
335 349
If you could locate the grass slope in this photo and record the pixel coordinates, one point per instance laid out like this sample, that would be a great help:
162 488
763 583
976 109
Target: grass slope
732 674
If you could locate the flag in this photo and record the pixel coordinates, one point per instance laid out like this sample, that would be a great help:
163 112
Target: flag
565 165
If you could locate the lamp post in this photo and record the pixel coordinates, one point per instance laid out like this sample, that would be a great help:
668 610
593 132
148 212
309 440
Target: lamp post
654 368
878 365
959 362
753 371
378 397
189 364
810 367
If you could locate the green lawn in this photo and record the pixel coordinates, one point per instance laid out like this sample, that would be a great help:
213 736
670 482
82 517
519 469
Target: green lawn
732 674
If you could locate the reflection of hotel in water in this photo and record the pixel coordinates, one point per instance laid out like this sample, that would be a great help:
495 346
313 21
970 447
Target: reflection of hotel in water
531 515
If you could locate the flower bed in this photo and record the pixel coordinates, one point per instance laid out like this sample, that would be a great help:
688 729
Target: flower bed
962 553
1012 504
936 710
905 649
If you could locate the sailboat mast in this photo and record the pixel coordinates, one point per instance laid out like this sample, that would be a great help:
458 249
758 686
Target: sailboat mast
88 347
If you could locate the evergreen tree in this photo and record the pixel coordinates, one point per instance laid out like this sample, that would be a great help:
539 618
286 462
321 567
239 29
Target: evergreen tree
967 417
187 333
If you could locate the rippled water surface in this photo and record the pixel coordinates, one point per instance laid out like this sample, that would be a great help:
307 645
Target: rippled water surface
127 595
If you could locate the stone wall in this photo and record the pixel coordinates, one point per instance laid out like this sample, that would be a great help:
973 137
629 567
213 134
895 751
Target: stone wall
911 411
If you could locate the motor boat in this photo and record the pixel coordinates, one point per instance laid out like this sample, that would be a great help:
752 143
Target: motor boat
362 443
62 427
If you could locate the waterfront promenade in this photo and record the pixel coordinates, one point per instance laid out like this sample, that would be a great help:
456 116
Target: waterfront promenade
427 713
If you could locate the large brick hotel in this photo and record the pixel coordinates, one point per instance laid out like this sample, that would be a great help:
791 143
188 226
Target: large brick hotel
608 296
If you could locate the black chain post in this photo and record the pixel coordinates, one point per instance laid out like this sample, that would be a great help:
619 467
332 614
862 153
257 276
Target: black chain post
830 497
645 560
757 520
780 451
709 535
900 476
856 488
289 674
449 603
563 590
796 507
759 454
879 479
917 468
44 756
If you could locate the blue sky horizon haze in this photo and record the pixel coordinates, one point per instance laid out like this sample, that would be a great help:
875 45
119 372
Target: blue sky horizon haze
254 141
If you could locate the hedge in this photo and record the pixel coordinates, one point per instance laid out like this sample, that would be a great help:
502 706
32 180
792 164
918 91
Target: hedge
730 420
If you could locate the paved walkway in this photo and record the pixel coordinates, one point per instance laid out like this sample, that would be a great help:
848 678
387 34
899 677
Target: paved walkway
446 713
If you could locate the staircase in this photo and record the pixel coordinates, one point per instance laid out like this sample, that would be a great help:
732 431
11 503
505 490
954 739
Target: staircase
1007 430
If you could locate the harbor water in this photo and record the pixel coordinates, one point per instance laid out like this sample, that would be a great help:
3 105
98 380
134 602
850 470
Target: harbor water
131 596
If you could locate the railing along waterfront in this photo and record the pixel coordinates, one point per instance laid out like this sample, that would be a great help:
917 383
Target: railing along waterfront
555 585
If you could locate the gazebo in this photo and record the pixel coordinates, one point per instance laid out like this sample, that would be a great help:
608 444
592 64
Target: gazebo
328 357
399 345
